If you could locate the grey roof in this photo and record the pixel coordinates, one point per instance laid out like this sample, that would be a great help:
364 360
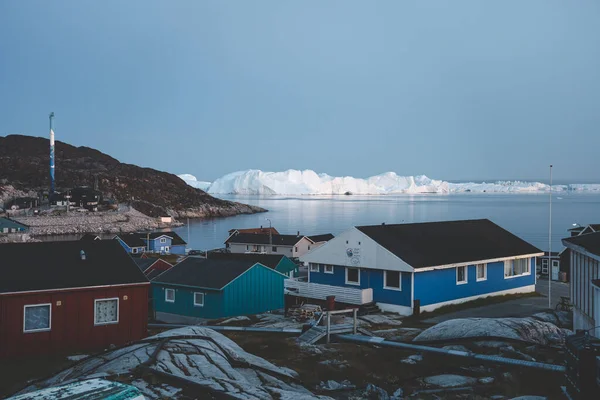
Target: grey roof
432 244
58 265
268 260
144 263
589 242
321 238
205 273
255 238
131 240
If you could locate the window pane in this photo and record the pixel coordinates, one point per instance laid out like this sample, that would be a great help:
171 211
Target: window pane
392 279
170 294
107 311
352 275
199 298
37 317
480 271
460 274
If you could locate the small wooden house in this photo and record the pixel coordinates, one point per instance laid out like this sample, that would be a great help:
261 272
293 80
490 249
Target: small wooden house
152 267
212 288
163 242
59 297
132 243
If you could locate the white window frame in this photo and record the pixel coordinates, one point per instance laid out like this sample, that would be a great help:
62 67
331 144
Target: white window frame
466 269
167 249
328 266
555 263
528 263
203 298
163 240
314 267
477 278
385 286
49 328
166 298
134 250
352 282
106 323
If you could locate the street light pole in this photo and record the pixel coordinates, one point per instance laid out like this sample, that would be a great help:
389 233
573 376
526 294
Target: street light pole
270 237
550 246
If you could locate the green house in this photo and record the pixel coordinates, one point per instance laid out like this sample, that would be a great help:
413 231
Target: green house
11 226
214 288
278 262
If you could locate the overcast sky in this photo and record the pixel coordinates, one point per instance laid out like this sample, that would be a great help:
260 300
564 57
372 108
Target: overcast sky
451 89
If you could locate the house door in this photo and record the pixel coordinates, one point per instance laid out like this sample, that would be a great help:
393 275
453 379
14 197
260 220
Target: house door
555 269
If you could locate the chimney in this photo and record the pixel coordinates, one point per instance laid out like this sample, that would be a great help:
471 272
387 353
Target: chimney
383 223
298 234
82 255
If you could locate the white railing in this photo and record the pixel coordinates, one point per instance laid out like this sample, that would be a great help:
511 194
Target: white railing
319 291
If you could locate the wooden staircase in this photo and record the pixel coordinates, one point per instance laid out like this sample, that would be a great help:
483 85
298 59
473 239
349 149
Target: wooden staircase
368 309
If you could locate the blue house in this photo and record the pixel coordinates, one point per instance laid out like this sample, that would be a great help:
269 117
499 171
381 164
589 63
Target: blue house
163 242
11 226
212 288
132 243
425 265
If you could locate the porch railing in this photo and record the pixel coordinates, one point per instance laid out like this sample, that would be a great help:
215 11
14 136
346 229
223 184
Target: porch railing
320 292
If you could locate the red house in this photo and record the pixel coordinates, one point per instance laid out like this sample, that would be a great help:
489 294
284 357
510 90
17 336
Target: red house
152 267
59 297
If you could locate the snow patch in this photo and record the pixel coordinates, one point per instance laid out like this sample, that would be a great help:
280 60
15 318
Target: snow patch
193 182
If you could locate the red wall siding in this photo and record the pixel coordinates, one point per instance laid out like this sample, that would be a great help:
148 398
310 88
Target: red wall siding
160 265
72 323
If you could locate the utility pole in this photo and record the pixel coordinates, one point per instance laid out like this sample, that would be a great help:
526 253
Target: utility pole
270 237
51 155
550 246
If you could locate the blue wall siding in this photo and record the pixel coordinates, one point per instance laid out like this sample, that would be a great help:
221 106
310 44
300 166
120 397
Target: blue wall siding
155 244
184 302
178 249
260 289
437 286
369 278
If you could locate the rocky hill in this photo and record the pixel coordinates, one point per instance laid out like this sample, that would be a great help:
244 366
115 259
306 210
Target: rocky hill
24 168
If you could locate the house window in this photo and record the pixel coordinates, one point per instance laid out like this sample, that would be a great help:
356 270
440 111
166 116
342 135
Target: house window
296 249
163 240
170 295
518 267
314 267
199 299
391 280
134 250
274 248
167 249
309 247
481 272
37 318
328 269
247 247
106 311
352 276
461 275
554 263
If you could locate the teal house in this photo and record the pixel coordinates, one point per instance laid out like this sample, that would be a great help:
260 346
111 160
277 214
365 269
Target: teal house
11 226
199 288
278 262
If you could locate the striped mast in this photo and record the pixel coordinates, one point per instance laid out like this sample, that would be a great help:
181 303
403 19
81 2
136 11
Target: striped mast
51 155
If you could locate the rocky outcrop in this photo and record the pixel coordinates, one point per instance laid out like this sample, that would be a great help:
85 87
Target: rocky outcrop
24 166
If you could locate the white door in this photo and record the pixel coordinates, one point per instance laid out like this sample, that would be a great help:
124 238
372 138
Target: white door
555 269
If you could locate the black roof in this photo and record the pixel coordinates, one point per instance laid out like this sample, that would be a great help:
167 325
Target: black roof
268 260
177 240
205 273
131 240
448 242
255 238
144 263
58 265
153 274
590 242
321 238
89 236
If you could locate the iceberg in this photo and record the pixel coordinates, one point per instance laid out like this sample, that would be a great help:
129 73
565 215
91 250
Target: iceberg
294 183
193 182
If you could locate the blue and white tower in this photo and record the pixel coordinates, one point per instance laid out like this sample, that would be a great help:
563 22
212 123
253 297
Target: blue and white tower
51 155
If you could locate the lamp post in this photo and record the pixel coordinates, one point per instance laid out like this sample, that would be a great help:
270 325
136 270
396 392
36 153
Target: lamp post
550 246
270 237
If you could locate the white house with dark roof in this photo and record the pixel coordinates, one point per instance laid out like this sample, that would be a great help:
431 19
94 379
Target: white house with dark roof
422 265
584 253
288 245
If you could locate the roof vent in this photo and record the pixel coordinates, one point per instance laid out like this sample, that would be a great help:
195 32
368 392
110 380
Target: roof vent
298 234
82 255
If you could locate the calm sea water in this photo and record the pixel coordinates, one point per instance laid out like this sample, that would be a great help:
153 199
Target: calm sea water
526 215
